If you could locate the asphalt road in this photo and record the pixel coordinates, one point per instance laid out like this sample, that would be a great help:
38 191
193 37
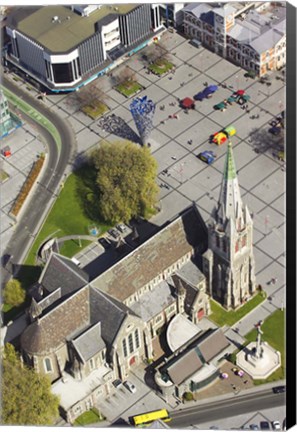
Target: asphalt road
226 408
44 194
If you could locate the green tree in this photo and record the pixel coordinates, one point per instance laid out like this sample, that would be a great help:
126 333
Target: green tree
126 181
14 294
26 396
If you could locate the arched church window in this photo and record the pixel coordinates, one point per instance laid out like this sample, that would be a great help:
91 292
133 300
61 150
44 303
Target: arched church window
48 365
218 242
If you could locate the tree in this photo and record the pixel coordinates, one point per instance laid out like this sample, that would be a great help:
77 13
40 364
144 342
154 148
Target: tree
126 181
26 396
14 294
123 75
87 95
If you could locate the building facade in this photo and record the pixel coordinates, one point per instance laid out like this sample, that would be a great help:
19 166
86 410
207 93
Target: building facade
61 46
249 34
229 263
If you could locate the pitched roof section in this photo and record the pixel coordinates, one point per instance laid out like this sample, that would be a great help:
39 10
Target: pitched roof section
160 252
61 272
109 312
89 343
49 332
213 345
185 367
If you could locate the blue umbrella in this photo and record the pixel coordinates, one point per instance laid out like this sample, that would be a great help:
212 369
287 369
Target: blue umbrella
212 88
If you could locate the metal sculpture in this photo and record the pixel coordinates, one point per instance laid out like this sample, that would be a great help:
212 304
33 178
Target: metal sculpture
142 110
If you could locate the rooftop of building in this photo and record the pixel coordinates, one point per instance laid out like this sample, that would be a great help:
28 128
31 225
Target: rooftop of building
155 301
157 254
58 28
180 330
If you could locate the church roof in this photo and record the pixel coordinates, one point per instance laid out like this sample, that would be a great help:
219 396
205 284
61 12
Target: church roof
89 343
109 312
50 331
150 259
213 344
61 272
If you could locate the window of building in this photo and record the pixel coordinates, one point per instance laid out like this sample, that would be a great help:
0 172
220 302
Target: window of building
48 365
125 351
158 319
92 364
218 242
62 72
130 342
136 335
103 355
225 245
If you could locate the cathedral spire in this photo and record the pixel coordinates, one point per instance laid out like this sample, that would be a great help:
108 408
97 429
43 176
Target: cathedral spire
230 204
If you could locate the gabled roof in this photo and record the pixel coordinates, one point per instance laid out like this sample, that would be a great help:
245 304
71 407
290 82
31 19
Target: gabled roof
150 259
109 312
185 367
89 343
61 272
213 344
50 331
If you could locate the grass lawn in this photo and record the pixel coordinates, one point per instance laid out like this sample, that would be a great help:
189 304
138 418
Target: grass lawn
88 417
221 317
129 88
274 333
161 66
95 110
66 217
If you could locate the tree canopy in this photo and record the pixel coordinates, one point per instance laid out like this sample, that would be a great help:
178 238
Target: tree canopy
126 181
14 294
26 395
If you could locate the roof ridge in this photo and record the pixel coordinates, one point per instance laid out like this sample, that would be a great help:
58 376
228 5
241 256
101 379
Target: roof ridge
61 260
89 329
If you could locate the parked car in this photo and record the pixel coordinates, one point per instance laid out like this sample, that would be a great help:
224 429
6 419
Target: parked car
113 233
130 386
207 156
6 151
117 383
279 389
104 242
276 425
121 227
264 425
254 427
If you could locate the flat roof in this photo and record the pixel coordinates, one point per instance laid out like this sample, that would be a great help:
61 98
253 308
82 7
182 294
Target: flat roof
69 29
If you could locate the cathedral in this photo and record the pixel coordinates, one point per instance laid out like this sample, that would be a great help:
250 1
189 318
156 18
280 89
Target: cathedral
95 329
229 264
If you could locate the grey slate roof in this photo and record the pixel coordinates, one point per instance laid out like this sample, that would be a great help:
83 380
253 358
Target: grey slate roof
89 343
161 251
213 344
153 302
51 331
109 312
61 272
191 273
184 367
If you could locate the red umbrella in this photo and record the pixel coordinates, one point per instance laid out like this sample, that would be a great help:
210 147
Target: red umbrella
240 92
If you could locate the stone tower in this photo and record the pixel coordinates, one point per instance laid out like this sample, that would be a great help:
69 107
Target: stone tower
228 264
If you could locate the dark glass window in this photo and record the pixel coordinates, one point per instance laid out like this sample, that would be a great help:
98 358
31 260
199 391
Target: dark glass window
137 338
130 341
63 72
125 348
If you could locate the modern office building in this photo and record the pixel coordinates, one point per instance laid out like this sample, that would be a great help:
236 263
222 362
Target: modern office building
250 34
63 46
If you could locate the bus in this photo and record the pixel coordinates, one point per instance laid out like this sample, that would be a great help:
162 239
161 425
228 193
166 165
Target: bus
148 418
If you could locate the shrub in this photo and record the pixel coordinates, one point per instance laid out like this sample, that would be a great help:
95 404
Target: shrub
188 396
14 293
